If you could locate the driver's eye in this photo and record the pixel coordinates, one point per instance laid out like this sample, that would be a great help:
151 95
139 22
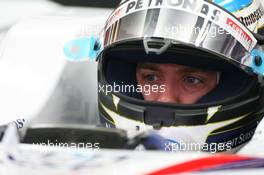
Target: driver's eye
192 80
151 77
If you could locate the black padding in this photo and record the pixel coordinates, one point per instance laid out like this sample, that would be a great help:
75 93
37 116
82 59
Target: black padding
231 84
183 56
122 73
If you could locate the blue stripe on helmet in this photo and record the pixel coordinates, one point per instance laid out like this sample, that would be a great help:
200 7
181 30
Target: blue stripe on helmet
233 5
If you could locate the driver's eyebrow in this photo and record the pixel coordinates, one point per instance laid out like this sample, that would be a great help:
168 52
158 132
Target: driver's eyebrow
147 66
154 67
192 69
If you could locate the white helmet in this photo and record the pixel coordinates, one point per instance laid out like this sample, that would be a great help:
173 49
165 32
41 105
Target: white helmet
195 33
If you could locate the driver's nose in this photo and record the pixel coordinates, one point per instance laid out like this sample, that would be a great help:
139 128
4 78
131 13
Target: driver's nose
170 95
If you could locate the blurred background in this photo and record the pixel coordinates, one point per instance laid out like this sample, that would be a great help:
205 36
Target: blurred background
11 11
76 85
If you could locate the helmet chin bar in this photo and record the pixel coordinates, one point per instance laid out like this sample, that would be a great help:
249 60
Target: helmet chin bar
156 45
152 117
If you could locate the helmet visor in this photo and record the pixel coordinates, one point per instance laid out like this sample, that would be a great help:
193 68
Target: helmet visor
194 23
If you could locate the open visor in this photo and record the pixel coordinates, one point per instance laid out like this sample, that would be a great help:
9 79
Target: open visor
200 24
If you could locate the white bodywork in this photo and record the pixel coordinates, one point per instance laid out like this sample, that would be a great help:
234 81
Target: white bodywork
32 64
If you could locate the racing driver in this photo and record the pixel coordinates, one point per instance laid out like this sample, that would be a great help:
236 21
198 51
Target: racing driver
187 70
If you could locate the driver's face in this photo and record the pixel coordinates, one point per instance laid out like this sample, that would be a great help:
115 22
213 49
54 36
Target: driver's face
182 84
